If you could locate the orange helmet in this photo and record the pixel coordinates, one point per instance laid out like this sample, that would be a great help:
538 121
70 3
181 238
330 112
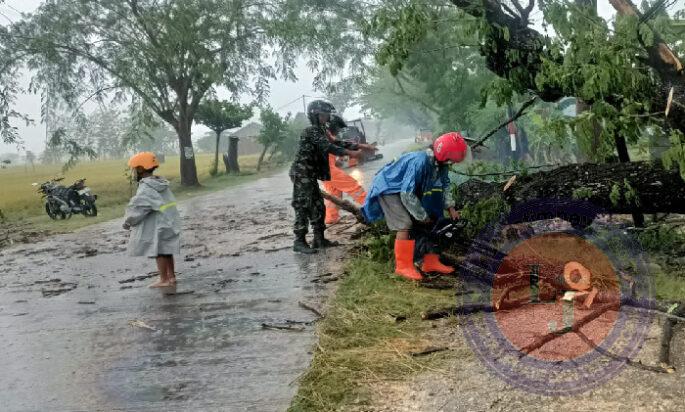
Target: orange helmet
146 160
450 147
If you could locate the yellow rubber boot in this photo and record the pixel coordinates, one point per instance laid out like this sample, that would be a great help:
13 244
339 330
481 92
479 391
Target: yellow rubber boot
404 260
431 263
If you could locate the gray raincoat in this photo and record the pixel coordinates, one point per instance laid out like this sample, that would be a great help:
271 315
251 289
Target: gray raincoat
154 220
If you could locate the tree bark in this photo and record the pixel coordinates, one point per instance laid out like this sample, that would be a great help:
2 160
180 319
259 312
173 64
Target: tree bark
261 157
624 157
215 166
188 167
656 190
232 157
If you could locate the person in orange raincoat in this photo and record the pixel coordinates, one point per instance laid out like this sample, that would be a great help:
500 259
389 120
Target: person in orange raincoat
340 181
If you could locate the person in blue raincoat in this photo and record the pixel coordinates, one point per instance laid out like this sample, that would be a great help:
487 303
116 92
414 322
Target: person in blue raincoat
396 193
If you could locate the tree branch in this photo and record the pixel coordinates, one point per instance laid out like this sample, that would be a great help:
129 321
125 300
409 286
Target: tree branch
518 114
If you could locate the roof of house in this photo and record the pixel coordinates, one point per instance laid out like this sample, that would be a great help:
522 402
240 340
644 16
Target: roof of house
250 130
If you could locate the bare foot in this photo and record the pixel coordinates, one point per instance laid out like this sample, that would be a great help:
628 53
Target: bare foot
160 284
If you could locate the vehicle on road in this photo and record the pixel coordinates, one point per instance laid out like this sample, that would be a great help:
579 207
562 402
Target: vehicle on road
355 133
424 136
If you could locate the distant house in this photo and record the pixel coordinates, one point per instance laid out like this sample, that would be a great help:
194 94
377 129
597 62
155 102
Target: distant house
248 138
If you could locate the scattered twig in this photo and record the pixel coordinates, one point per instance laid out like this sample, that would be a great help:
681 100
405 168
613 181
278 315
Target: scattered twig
310 308
667 335
669 316
140 277
86 302
185 292
398 318
439 282
457 310
64 288
326 278
665 368
283 327
429 350
141 324
345 205
544 339
38 282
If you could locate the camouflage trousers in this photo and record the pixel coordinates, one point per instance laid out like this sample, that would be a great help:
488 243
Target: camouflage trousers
308 205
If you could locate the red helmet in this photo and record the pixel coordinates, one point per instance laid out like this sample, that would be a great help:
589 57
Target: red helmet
450 147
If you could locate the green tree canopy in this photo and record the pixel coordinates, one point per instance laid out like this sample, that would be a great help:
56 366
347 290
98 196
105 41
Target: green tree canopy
274 130
163 56
220 116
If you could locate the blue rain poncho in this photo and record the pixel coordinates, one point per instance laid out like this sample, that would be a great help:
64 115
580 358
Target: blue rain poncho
412 175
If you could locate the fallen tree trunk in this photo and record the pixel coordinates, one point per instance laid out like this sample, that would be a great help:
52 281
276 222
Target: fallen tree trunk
621 188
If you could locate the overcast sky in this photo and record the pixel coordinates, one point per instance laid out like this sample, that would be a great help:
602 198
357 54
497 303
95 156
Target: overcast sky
282 93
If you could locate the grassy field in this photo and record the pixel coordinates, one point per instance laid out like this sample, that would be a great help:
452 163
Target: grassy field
20 202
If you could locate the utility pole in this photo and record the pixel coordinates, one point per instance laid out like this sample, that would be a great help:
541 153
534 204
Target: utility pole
304 105
47 117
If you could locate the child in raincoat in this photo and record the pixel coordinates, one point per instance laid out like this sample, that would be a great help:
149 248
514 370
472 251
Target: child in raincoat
153 219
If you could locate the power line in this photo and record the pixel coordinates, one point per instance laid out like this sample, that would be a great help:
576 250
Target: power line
289 103
297 99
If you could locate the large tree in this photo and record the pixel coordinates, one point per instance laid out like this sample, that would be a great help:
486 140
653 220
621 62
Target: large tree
220 116
163 55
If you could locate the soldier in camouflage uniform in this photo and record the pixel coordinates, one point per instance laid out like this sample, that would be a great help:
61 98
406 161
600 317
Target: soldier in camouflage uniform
309 166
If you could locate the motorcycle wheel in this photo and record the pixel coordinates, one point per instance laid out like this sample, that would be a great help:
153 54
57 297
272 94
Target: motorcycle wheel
91 211
50 212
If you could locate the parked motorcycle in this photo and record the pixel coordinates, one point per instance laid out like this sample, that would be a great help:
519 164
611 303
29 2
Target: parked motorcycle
61 202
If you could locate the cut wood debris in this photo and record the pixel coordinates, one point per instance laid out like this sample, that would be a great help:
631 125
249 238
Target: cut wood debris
141 324
283 327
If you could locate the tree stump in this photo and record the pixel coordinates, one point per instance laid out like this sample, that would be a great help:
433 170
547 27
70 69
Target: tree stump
231 158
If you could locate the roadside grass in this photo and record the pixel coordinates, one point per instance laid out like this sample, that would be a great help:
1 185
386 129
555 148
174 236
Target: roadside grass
20 203
360 340
669 283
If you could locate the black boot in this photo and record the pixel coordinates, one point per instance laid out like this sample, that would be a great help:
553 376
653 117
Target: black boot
320 242
301 246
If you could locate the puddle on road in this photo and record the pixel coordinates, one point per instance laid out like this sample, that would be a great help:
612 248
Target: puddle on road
208 349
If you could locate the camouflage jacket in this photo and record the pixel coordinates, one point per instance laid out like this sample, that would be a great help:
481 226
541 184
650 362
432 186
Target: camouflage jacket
311 160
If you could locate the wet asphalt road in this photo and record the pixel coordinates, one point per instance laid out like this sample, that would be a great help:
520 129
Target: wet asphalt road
80 330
